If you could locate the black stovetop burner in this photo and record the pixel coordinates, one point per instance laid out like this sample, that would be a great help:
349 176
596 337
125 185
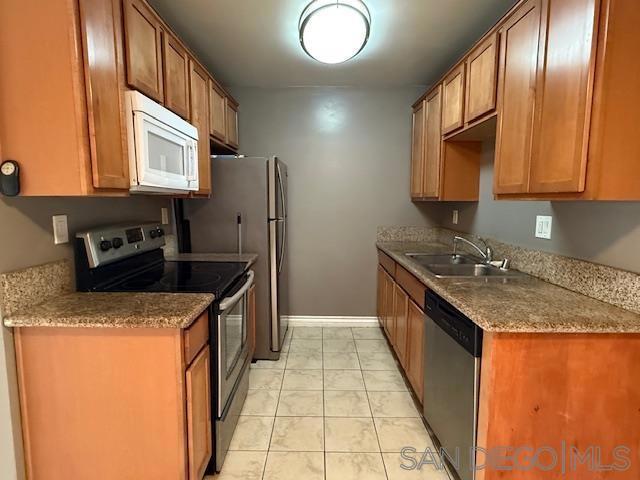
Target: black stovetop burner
183 276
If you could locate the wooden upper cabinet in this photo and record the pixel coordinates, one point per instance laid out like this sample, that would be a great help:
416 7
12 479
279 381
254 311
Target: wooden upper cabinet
453 88
143 35
176 75
432 144
519 38
199 117
232 124
417 150
566 64
217 112
199 438
482 77
415 348
104 74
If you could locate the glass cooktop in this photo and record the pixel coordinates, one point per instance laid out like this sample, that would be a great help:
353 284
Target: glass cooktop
187 277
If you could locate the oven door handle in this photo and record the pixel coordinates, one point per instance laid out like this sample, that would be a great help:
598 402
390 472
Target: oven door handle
230 301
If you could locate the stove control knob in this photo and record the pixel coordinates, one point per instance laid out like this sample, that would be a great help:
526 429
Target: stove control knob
153 233
105 245
117 242
160 232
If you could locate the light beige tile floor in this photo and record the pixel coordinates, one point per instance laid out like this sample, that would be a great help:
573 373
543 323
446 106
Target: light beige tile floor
335 407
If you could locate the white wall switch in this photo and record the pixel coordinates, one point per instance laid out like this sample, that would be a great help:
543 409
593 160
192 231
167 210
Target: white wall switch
60 229
543 226
165 216
455 217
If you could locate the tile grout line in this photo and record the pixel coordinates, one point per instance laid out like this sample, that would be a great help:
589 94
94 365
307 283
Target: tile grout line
275 414
375 428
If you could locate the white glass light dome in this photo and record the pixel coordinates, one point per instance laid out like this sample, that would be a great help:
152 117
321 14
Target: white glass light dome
334 31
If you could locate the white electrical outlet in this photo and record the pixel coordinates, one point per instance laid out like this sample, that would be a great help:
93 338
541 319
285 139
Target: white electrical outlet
165 216
455 217
543 226
60 229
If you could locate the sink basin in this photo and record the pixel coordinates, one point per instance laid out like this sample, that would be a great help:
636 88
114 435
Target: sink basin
449 265
477 270
441 259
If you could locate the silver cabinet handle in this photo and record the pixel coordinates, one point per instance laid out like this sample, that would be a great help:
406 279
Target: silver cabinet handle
230 301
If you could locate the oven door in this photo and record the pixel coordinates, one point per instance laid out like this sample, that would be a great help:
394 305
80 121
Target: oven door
232 340
165 158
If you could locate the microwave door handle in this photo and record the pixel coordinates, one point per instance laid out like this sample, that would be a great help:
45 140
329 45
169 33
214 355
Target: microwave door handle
230 301
191 162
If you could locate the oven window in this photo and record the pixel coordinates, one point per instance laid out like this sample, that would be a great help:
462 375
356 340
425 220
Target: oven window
235 333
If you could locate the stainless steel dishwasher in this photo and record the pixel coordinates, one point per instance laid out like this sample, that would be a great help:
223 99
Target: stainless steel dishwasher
453 347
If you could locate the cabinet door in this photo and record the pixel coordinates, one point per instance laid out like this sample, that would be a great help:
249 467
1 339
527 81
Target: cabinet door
199 117
143 34
400 315
380 295
389 302
482 75
516 98
218 112
176 75
563 100
232 124
453 100
104 75
198 415
415 348
417 150
251 319
433 144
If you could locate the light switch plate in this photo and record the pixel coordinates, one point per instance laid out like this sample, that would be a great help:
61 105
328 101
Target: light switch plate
165 216
543 226
60 229
455 217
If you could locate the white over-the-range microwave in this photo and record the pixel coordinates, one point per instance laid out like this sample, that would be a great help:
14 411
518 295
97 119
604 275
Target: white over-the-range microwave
163 148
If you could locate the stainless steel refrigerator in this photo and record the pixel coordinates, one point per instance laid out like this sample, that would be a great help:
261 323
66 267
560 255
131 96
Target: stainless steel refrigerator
253 189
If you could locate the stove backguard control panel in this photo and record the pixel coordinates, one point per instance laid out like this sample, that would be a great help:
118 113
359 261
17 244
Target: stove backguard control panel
109 244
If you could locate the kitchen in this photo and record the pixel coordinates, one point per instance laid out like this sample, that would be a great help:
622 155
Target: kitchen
356 377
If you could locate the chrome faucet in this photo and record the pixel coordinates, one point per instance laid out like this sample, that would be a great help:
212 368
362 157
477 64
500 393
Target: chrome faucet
487 254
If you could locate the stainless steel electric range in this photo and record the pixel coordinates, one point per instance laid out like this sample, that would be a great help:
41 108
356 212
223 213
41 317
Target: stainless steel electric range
129 258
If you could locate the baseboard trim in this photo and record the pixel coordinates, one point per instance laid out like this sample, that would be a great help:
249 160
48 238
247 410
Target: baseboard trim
319 321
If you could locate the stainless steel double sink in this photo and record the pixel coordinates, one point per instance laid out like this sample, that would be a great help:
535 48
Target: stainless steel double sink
450 265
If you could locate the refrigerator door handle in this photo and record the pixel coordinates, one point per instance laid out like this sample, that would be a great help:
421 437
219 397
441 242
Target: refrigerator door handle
284 220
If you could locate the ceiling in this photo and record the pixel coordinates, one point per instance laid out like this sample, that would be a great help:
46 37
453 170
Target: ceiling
255 42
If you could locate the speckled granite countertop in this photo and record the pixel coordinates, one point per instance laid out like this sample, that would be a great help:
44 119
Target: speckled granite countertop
250 258
516 305
114 310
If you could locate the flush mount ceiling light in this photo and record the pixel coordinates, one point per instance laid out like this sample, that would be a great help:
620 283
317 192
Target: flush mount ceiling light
334 31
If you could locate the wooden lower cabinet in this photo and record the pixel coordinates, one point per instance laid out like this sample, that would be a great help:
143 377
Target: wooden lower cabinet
389 308
380 286
401 301
415 348
403 321
123 402
199 444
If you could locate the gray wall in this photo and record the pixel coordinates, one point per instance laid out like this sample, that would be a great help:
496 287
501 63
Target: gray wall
347 150
602 232
26 239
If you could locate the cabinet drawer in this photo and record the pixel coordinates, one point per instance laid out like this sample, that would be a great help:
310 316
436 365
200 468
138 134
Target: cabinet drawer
411 285
195 337
387 262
